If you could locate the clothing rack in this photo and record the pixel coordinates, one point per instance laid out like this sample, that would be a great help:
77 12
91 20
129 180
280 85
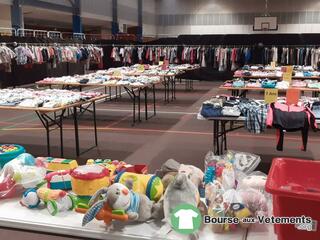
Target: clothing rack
197 45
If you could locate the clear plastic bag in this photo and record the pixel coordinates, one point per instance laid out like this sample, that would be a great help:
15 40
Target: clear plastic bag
242 161
255 201
256 180
21 173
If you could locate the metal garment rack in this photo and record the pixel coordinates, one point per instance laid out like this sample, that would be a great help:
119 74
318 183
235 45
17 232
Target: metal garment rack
204 45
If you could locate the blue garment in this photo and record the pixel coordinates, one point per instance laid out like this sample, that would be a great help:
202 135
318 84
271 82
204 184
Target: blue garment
247 56
134 203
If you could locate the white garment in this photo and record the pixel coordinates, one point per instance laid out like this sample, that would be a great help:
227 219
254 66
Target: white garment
275 54
186 218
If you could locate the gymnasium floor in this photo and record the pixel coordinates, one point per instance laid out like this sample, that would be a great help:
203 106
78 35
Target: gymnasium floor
174 133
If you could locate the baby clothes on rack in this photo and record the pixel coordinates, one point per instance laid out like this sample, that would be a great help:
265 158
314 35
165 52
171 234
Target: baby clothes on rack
6 55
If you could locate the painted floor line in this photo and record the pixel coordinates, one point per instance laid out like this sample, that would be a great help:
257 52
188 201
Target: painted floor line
311 139
161 112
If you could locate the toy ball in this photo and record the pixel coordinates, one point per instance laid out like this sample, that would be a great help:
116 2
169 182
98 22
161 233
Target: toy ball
30 198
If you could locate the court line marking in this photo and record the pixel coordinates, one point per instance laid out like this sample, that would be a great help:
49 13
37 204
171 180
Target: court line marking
311 139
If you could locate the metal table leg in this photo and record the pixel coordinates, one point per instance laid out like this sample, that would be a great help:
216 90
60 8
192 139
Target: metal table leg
95 123
76 130
154 98
76 126
136 99
146 102
56 122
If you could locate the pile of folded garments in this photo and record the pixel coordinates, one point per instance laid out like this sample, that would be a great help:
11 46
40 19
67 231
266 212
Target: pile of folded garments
49 98
221 106
138 81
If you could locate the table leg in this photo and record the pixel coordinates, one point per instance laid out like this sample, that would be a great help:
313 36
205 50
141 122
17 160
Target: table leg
95 123
61 132
76 130
154 99
134 110
116 92
174 88
48 121
45 124
165 89
215 136
139 104
146 102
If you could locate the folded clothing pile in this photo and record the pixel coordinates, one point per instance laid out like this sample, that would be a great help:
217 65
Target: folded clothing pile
221 106
49 98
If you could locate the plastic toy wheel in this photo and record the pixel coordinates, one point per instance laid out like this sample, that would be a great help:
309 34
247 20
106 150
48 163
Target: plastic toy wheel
52 207
72 203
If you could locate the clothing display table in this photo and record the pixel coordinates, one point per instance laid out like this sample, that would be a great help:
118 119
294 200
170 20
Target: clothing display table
242 92
14 216
223 125
133 91
53 117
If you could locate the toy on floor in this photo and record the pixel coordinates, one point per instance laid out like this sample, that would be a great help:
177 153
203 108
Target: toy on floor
150 185
55 200
21 173
118 198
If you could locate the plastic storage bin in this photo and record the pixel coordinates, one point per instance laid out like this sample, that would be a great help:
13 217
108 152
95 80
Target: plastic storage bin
9 152
295 186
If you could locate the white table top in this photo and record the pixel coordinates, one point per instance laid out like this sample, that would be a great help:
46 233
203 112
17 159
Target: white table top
13 215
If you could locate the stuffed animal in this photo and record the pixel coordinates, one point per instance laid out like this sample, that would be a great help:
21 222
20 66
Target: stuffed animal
118 197
180 190
171 168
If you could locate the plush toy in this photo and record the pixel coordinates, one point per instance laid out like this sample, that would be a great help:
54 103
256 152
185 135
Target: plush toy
55 200
180 190
171 168
149 185
118 197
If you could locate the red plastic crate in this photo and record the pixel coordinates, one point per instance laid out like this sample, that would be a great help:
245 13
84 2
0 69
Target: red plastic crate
295 188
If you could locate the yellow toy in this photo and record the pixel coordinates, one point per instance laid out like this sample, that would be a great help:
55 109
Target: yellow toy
107 163
56 164
86 180
150 185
